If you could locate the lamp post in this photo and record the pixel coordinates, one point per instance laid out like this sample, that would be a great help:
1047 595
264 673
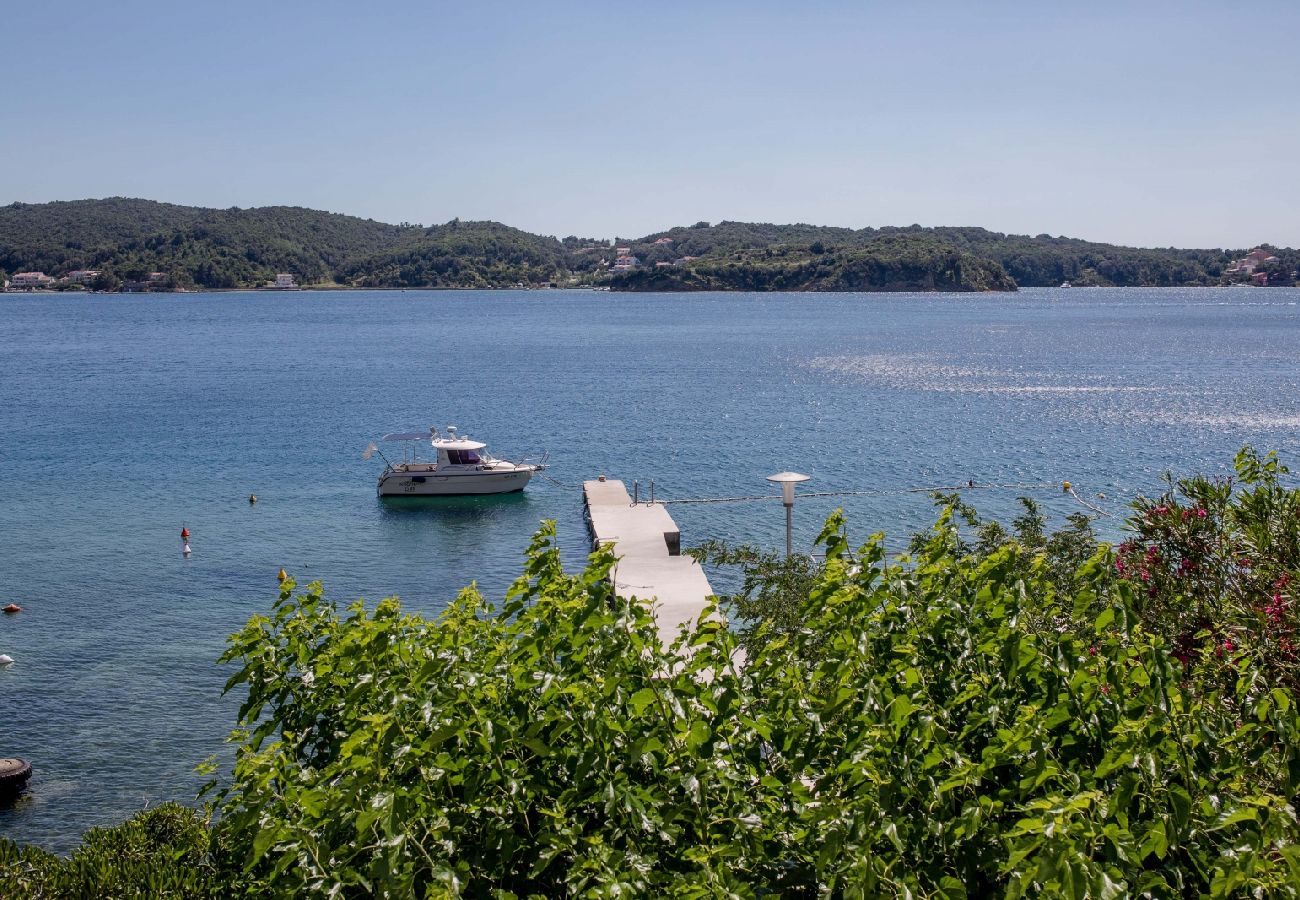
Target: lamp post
788 480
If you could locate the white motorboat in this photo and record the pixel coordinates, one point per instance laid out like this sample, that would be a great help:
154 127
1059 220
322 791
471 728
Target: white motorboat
460 467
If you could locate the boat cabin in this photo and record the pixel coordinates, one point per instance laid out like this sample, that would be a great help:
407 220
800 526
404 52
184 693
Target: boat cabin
458 452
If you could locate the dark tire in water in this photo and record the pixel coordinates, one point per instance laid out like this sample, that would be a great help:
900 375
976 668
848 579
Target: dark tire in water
14 773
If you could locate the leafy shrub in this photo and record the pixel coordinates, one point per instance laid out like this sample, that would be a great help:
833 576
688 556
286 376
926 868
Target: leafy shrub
160 853
1217 562
946 727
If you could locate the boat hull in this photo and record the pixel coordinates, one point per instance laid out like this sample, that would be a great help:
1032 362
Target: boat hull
434 484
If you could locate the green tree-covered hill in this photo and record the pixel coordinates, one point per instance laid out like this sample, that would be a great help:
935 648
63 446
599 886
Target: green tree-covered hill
887 263
233 248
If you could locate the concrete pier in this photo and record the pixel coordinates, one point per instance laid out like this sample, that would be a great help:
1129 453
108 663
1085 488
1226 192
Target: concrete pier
648 544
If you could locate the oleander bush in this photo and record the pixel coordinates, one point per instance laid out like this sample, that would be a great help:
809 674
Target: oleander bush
979 718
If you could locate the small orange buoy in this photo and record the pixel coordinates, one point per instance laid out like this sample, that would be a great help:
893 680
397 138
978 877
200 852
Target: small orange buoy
13 608
281 576
185 533
1065 486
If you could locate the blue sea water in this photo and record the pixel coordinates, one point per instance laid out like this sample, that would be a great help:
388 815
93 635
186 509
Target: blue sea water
124 418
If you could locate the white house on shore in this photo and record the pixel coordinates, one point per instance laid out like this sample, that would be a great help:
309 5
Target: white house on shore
29 281
283 282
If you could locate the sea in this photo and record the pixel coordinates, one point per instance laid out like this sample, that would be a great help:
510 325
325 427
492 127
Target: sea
125 418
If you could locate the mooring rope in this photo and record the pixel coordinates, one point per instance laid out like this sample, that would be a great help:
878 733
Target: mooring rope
968 486
557 482
1069 489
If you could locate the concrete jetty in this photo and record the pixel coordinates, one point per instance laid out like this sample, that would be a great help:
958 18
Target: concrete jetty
649 545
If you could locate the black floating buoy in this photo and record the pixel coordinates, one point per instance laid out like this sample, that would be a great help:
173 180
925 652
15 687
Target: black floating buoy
252 498
14 773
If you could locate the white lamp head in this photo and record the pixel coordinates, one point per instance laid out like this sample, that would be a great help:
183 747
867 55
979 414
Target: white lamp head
788 480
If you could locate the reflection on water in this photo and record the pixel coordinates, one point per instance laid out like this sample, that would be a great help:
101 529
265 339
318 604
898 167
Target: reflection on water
467 505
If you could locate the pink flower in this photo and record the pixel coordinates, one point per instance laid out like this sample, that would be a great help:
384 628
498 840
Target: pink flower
1105 689
1161 510
1092 651
1200 512
1229 645
1276 610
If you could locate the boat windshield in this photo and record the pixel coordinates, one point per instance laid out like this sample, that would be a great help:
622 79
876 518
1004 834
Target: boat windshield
463 457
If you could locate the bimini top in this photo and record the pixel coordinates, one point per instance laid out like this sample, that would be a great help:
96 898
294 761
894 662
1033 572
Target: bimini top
459 443
452 441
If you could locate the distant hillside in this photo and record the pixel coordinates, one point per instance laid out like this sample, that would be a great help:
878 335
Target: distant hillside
1041 261
887 263
460 254
195 247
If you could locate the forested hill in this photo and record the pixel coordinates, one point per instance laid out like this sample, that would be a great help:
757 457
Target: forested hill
194 247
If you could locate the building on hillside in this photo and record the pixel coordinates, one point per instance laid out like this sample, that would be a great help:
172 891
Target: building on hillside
82 276
283 282
624 263
664 240
622 251
1251 261
29 281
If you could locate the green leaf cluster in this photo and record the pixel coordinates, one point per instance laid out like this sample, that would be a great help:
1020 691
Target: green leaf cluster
164 853
952 724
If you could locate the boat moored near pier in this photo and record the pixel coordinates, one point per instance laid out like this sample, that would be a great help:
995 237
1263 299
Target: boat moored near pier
460 467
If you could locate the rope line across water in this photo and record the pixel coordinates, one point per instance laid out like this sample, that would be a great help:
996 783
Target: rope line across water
873 493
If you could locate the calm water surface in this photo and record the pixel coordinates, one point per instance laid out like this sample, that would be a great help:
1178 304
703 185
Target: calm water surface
123 418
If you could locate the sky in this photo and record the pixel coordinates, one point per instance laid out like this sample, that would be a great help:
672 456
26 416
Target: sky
1144 123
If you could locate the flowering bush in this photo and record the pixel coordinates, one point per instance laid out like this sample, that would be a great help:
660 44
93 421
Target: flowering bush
1216 564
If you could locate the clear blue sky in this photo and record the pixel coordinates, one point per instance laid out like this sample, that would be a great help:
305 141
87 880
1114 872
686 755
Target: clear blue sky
1146 123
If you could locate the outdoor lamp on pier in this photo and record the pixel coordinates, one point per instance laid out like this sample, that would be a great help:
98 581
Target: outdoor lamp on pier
788 480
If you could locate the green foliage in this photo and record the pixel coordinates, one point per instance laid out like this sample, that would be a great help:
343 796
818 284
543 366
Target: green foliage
1217 565
772 593
943 727
549 748
231 248
892 263
163 852
1038 261
461 254
212 248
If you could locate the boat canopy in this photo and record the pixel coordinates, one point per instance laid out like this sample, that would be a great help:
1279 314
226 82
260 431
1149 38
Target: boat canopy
458 444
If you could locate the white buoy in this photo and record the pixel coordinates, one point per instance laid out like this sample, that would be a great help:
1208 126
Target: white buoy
6 660
185 549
